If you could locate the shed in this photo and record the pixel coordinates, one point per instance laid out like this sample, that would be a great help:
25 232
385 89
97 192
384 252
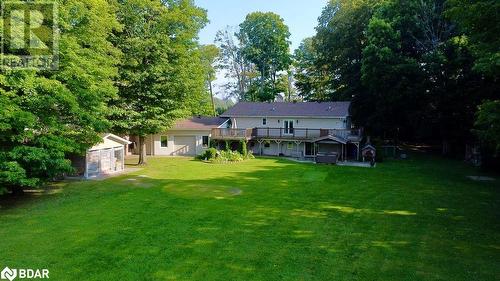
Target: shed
368 152
106 157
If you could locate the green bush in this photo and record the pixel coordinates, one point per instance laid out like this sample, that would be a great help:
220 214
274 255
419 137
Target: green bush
243 148
209 154
224 156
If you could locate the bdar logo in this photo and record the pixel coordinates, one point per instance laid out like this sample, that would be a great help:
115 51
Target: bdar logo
8 273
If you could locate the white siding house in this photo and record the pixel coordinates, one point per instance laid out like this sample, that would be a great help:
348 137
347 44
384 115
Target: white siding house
188 137
302 129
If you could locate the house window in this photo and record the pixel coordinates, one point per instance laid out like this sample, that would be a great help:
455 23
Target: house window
205 141
164 141
289 146
288 125
264 121
267 144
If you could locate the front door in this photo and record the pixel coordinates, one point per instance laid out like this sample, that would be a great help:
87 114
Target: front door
288 127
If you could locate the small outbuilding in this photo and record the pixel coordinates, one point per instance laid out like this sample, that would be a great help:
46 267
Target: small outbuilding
368 152
106 157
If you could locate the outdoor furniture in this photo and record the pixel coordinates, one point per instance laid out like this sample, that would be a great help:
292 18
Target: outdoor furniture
327 158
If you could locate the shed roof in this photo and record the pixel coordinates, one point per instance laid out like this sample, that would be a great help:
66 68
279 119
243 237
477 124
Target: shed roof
289 109
110 141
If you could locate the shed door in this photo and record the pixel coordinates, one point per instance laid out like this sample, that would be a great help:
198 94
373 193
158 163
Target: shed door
184 145
106 160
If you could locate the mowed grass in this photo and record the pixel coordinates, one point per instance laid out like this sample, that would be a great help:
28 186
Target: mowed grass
263 219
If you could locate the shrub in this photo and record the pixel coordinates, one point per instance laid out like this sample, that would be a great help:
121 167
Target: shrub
209 154
243 148
224 156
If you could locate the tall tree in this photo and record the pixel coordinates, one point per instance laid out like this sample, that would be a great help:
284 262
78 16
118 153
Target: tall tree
429 91
264 37
209 55
162 77
339 42
47 115
480 23
238 71
311 78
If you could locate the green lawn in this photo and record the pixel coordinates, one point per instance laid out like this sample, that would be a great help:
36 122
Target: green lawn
418 219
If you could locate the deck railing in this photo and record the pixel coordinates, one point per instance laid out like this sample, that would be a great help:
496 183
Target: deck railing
304 133
230 133
283 133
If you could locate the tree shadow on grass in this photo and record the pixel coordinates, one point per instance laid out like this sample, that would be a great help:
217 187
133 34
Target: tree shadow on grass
285 218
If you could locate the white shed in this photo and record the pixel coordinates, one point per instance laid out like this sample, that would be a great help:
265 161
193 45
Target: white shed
106 157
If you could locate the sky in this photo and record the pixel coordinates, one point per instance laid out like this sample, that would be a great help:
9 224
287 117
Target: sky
301 16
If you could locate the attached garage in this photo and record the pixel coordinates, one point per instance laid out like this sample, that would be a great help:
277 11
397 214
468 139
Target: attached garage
188 137
184 145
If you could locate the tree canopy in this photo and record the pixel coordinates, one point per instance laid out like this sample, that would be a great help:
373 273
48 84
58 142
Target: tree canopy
416 70
47 115
256 57
161 77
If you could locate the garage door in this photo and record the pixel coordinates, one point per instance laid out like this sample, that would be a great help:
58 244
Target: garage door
185 145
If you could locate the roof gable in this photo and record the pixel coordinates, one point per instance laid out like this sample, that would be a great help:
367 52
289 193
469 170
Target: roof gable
289 109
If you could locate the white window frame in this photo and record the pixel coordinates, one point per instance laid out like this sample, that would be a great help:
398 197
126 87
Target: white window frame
264 121
287 129
161 143
208 141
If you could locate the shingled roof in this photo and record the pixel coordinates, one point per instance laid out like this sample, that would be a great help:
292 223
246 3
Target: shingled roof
199 123
289 109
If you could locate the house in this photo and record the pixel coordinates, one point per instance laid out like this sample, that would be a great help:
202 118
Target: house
295 129
301 129
188 137
106 157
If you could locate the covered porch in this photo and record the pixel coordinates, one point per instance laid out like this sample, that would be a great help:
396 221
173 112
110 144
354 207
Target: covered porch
342 150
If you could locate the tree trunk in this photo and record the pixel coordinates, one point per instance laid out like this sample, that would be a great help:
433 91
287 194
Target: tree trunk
212 96
445 148
142 151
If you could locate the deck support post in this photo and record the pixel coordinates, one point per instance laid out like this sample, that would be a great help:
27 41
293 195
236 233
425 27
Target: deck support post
297 143
260 146
357 152
279 147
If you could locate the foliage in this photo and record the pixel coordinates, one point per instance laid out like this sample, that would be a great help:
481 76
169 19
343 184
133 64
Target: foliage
311 80
408 70
264 38
208 155
488 124
339 43
226 156
243 149
221 105
45 115
162 74
480 22
209 55
238 71
254 57
265 43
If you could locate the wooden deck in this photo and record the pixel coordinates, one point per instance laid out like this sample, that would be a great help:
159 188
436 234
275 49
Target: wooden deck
295 134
